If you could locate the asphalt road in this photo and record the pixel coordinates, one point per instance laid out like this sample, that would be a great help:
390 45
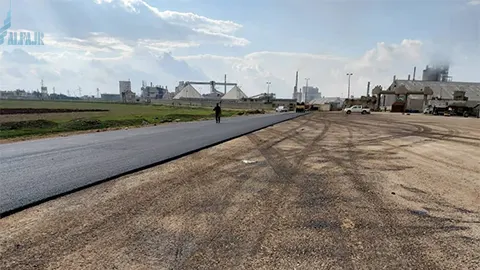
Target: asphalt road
33 171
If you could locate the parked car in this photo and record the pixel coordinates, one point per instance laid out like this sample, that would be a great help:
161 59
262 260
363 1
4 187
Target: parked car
428 110
357 109
281 109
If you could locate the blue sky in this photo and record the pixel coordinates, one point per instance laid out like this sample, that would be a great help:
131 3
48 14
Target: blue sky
96 43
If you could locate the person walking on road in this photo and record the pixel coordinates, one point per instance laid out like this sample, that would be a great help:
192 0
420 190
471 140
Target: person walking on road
218 112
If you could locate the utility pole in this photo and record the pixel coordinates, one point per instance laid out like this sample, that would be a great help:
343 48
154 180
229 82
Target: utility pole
306 89
349 75
268 91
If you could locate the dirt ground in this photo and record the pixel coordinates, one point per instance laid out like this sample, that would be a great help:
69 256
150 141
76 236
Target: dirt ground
324 191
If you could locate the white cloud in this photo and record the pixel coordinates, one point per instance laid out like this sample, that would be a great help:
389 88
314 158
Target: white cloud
474 2
207 30
195 21
127 4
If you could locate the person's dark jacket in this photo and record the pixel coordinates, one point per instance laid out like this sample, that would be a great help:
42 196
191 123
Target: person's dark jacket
217 110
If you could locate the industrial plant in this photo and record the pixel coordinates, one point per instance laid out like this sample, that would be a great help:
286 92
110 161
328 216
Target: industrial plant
437 89
434 93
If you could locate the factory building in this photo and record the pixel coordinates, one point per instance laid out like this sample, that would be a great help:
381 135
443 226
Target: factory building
441 91
153 92
235 94
126 93
306 93
436 84
125 86
311 93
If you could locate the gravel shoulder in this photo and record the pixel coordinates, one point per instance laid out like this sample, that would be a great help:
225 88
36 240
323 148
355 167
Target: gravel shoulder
324 191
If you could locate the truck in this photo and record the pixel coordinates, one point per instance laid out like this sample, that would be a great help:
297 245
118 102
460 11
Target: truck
300 107
455 108
357 109
462 109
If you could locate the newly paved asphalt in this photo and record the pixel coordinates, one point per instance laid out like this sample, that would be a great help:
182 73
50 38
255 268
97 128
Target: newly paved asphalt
33 171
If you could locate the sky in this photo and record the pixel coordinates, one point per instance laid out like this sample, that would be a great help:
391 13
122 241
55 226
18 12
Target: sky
92 44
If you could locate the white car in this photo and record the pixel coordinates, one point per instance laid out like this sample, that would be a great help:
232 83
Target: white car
357 109
281 109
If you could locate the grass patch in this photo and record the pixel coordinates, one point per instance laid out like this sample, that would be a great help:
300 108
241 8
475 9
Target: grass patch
113 115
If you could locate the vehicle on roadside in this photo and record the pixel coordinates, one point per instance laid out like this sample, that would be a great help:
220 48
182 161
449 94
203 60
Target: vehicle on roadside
300 107
281 109
455 109
357 109
428 110
462 109
440 110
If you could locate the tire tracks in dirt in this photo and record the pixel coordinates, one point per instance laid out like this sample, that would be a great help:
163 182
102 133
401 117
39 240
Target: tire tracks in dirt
271 154
354 239
284 171
280 166
316 192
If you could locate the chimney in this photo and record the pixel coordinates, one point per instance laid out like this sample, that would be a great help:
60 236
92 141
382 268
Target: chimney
414 71
368 89
408 77
394 78
296 83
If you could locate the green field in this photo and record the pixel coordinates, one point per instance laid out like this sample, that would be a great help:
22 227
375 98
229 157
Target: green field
119 115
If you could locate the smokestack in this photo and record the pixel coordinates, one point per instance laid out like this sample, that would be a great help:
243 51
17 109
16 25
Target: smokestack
408 77
414 71
368 89
296 82
225 89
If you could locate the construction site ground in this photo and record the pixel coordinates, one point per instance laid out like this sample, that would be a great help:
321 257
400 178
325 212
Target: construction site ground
323 191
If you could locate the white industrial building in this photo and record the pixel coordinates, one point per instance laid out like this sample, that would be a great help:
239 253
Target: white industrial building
188 92
235 94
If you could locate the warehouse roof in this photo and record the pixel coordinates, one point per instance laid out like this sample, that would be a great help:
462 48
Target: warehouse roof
444 90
